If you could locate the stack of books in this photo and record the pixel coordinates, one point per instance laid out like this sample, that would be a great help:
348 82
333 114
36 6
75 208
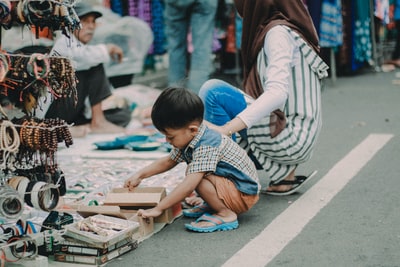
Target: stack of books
96 240
75 251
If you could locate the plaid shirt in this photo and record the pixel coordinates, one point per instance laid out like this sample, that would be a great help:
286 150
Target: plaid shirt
212 152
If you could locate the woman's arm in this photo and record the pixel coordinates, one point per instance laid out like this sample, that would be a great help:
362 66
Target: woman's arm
275 71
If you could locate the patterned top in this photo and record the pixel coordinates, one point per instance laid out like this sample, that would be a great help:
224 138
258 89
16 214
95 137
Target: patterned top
212 152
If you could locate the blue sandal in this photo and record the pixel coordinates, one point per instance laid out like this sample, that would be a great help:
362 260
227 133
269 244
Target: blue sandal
219 224
196 211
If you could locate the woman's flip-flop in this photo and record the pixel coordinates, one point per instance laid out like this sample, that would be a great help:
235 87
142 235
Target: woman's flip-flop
218 224
196 211
297 183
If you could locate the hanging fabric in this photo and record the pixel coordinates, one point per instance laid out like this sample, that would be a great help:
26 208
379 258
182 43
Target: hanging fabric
381 11
158 27
362 43
331 26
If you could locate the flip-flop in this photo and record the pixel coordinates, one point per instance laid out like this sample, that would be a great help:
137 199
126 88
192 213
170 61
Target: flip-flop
196 211
297 183
219 224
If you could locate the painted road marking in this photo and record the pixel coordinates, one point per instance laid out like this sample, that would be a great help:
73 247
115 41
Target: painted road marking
272 240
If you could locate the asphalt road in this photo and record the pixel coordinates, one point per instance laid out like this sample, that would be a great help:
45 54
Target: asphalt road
348 215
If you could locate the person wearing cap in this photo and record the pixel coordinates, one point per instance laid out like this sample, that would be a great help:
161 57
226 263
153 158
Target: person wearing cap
93 83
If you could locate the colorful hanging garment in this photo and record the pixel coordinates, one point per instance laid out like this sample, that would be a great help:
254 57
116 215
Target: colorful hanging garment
116 6
158 27
142 10
382 11
238 28
331 27
362 43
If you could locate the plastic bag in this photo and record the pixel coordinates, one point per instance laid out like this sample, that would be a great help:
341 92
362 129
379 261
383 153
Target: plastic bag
133 35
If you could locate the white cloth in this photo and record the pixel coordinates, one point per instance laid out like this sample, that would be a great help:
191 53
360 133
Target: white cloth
276 88
132 34
83 56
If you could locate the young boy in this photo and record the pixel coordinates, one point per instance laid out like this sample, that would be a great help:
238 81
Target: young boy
217 168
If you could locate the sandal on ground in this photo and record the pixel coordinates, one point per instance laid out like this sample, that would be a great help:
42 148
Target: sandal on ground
297 183
196 211
219 224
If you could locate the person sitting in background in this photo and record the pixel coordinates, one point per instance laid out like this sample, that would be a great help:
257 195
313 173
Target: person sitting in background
217 168
92 83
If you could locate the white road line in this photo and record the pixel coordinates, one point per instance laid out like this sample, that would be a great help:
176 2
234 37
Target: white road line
270 242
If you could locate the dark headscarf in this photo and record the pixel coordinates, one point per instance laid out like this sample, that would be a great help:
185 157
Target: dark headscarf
259 16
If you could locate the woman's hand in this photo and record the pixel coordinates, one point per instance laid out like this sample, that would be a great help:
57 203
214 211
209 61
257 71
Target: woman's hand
219 129
229 128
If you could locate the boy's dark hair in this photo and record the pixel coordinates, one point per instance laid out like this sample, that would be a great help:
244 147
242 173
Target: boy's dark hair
175 108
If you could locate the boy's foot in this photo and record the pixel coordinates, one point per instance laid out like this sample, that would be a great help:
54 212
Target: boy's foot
194 200
210 223
196 211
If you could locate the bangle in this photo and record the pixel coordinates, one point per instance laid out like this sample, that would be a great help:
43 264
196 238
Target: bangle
229 131
36 194
22 185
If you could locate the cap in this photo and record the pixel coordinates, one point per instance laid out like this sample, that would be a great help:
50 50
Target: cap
83 8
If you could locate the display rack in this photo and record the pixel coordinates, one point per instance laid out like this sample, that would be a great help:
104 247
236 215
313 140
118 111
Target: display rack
29 174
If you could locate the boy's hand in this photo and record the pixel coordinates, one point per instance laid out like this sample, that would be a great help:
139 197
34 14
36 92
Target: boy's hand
132 182
150 213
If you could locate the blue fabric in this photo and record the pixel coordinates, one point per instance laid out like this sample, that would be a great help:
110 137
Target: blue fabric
222 102
331 33
361 39
157 25
397 10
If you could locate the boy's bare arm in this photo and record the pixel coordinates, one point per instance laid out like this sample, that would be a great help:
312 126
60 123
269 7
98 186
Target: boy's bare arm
158 166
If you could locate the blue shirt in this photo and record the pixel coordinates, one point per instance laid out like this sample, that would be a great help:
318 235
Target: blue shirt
212 152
